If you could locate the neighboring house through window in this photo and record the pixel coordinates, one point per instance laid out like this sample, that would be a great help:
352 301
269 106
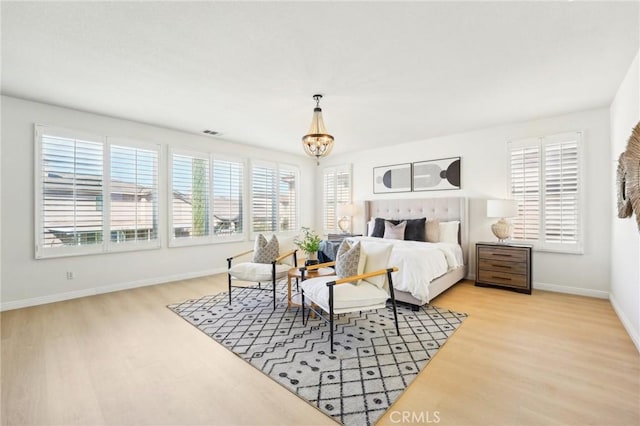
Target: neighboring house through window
545 177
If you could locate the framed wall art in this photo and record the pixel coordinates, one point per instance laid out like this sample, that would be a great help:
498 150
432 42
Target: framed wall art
395 178
436 175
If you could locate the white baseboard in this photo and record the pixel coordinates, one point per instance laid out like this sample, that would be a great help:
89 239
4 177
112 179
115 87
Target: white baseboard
563 289
59 297
635 337
600 294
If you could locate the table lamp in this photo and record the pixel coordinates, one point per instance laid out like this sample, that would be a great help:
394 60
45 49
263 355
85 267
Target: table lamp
502 209
345 211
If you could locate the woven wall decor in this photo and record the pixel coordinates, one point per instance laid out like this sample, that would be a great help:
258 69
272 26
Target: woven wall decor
624 204
632 167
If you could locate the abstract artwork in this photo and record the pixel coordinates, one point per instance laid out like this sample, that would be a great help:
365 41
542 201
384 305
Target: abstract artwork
435 175
396 178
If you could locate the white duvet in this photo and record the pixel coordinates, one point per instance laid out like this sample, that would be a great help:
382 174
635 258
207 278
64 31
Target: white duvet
419 263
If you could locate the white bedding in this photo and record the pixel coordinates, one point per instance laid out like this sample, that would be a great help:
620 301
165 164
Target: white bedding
419 263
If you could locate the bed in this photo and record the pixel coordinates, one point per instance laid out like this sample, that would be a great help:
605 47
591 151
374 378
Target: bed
422 275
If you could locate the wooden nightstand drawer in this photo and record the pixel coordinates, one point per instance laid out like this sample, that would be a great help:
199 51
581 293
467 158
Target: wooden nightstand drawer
505 254
512 280
507 267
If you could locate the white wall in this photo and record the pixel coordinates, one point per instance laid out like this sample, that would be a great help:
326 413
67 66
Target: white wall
26 281
625 238
484 175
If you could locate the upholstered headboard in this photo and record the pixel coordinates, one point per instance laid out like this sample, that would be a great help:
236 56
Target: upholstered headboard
443 209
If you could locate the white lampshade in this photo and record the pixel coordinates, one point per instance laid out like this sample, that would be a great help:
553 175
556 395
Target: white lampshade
345 209
502 208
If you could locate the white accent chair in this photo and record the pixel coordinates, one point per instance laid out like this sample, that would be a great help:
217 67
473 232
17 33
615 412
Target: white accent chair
339 296
259 272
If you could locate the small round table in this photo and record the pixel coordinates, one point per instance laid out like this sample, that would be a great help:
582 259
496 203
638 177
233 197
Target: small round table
296 300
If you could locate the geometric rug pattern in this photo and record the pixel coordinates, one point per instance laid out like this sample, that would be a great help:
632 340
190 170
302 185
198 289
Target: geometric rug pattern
371 365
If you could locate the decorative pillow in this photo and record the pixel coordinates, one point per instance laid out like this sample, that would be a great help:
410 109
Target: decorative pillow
415 229
370 226
378 255
286 245
449 232
265 252
394 232
378 227
349 260
433 231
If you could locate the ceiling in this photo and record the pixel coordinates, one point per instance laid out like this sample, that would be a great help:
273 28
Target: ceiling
391 72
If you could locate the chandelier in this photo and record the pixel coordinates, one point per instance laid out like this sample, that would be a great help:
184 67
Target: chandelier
317 142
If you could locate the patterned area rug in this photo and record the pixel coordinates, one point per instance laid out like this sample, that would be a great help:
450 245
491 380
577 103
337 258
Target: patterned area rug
371 365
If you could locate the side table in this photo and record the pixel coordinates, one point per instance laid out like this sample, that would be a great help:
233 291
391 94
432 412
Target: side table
295 300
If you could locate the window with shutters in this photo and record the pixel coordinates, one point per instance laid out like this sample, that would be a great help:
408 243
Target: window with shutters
206 198
133 188
336 190
228 190
92 195
274 198
545 178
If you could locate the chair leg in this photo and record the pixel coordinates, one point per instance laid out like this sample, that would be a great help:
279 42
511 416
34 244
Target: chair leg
331 315
229 280
303 321
393 300
273 278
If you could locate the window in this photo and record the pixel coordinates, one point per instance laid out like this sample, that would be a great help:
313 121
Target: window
545 179
274 198
207 198
336 189
228 187
77 206
133 194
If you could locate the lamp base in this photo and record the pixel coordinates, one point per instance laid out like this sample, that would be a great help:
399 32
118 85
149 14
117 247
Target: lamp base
343 224
501 229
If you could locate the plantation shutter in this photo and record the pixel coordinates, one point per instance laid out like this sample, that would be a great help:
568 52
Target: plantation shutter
287 200
336 189
228 179
263 199
190 195
562 190
133 194
524 169
70 191
544 177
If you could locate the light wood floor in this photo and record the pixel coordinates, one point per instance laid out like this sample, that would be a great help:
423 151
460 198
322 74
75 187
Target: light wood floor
124 359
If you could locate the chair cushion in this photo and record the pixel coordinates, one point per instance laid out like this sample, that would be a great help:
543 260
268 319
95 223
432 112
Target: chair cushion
345 296
265 252
257 272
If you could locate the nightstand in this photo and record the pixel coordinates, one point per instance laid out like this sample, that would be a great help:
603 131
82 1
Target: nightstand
504 266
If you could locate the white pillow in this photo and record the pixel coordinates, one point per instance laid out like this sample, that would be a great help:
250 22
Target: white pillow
377 257
449 232
286 245
370 225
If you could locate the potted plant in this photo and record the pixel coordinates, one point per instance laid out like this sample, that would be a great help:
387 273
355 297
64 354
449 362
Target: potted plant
309 242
